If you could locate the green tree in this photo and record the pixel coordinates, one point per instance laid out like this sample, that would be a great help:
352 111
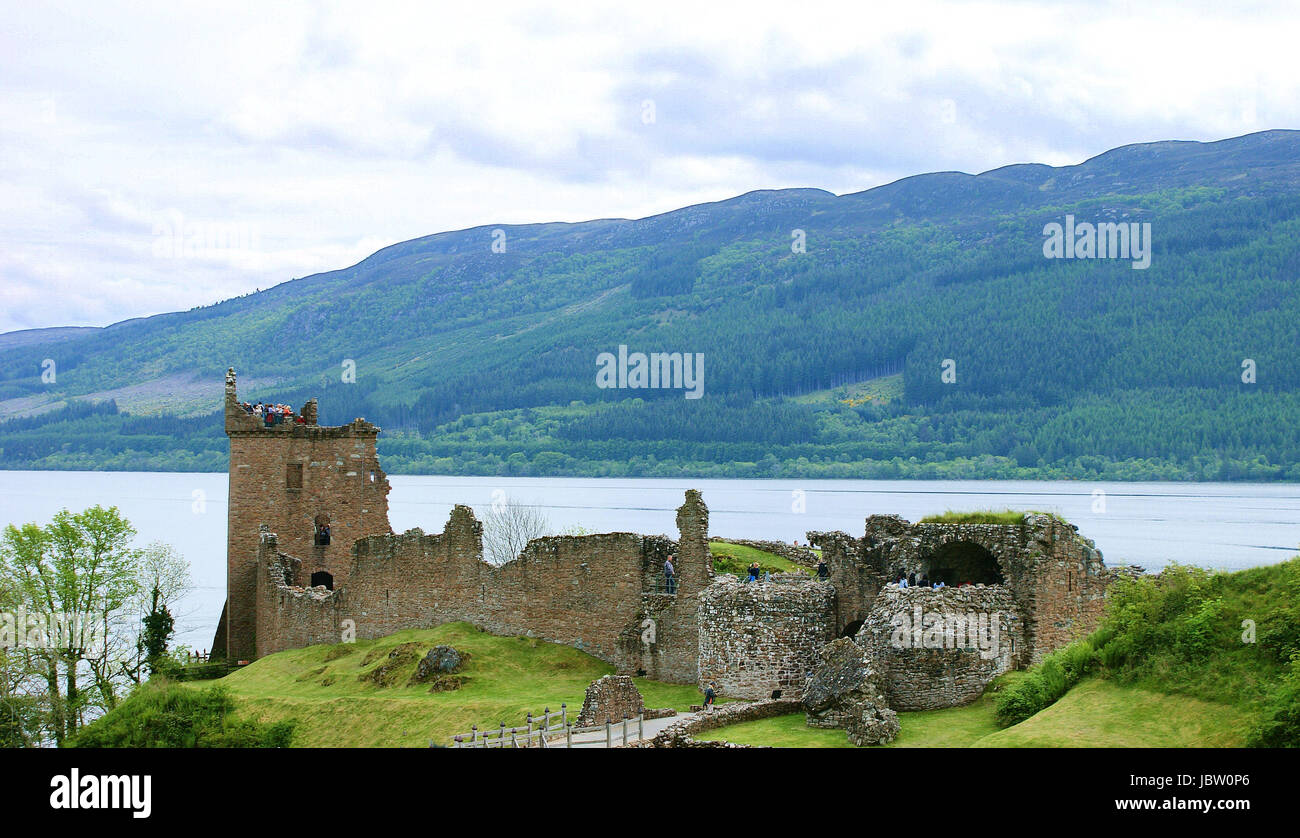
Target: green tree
72 576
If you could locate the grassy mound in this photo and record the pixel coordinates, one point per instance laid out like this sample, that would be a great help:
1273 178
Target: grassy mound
736 559
364 694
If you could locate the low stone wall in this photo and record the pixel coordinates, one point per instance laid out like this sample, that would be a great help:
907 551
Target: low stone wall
680 734
799 555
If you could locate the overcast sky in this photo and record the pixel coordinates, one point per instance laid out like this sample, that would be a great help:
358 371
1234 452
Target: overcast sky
158 158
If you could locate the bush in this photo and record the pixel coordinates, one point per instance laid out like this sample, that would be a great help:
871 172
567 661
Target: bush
1045 683
1280 725
162 714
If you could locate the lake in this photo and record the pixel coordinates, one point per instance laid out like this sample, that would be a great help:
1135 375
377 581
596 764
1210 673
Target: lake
1220 525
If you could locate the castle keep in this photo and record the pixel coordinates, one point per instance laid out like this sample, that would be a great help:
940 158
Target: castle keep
311 559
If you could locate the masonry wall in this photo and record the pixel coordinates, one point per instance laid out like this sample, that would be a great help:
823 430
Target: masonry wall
589 592
756 637
1056 577
341 479
926 663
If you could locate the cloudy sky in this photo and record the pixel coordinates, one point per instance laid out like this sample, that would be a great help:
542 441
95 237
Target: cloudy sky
154 158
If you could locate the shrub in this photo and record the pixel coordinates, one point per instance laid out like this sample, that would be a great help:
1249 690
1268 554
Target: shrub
1043 684
1280 725
162 714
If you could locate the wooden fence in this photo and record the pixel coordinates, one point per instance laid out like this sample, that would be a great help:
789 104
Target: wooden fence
554 730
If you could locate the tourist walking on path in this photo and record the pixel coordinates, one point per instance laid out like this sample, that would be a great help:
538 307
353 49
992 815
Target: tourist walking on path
823 572
710 694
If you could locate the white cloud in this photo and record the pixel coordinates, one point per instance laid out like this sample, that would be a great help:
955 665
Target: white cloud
326 134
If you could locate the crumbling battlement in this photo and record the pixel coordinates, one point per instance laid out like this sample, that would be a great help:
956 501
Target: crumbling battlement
593 592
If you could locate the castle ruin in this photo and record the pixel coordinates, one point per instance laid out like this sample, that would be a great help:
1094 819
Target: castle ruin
311 558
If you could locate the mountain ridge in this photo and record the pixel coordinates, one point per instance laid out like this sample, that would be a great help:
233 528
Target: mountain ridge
892 281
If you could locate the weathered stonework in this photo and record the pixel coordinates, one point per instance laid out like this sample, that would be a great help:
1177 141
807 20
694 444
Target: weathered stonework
611 698
681 734
1055 577
758 637
941 648
285 476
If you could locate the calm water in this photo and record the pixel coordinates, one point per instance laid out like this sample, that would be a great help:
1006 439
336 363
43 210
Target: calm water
1220 525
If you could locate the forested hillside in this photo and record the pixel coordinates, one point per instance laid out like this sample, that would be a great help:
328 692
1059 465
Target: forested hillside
821 363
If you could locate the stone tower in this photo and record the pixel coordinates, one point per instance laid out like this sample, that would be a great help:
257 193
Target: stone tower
294 478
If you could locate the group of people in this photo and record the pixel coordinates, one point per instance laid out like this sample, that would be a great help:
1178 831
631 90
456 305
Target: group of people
273 414
911 580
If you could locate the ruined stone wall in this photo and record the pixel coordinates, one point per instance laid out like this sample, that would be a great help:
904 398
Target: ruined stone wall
588 592
1056 577
854 574
756 637
283 477
611 698
681 734
918 638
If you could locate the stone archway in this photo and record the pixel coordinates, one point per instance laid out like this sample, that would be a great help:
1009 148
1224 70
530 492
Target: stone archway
852 629
963 561
323 577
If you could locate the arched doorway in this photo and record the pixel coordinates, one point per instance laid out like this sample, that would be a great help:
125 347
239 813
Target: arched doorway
323 577
959 562
852 629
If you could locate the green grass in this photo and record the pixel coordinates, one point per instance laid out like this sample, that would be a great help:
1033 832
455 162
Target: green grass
952 727
1095 714
736 559
327 689
1103 714
982 516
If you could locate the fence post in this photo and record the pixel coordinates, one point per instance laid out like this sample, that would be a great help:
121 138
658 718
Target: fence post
564 713
624 729
609 733
530 722
501 737
546 719
474 736
514 742
640 726
568 735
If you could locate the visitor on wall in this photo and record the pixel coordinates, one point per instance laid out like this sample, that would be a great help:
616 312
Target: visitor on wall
670 575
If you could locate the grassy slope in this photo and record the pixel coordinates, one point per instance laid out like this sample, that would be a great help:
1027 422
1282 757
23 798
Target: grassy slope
736 558
1095 714
506 678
